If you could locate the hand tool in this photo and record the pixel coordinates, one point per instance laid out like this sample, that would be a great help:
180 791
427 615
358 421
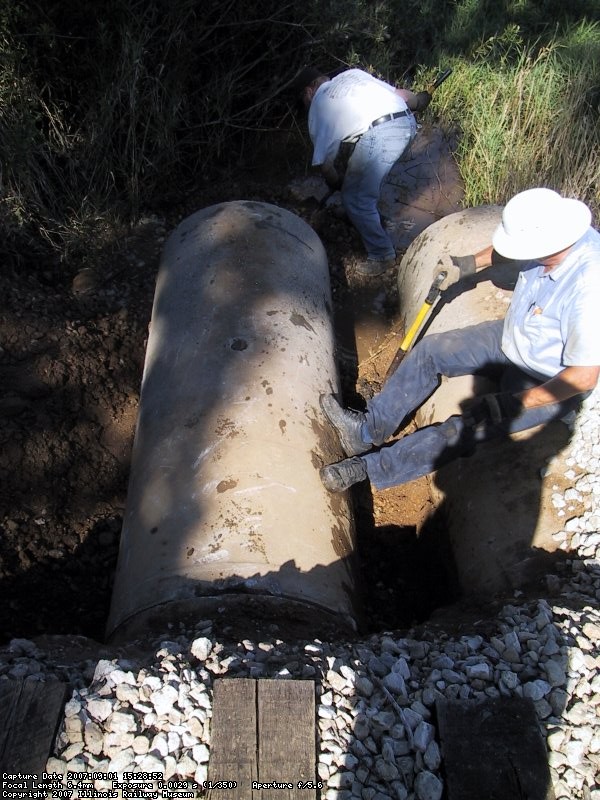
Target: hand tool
439 80
434 292
435 289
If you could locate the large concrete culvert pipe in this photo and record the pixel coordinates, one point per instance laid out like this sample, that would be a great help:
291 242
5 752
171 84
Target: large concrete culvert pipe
496 504
225 508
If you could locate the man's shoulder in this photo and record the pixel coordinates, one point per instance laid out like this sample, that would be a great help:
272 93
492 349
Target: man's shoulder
353 75
591 236
584 267
594 238
586 253
352 71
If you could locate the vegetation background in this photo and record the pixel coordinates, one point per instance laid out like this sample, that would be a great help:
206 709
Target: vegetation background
119 117
107 110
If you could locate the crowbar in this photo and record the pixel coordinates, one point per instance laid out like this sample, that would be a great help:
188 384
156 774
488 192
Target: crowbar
439 80
434 292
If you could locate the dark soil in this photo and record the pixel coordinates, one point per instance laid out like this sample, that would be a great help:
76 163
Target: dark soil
73 338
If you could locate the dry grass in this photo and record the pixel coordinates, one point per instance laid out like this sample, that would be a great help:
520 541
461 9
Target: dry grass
104 113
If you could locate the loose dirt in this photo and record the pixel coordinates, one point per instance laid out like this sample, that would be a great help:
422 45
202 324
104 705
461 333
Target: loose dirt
72 346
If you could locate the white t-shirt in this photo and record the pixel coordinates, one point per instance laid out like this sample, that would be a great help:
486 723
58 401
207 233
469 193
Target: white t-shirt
344 107
553 320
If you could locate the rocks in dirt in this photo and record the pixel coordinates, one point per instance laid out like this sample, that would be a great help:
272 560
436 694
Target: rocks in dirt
580 531
84 281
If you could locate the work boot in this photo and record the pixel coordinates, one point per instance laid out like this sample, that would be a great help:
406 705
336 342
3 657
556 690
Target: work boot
340 476
347 425
372 267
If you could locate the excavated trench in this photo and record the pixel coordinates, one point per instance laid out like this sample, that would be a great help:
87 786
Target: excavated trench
180 551
481 528
58 563
406 563
406 560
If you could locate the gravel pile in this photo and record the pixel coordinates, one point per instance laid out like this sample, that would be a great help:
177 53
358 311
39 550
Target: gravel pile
375 696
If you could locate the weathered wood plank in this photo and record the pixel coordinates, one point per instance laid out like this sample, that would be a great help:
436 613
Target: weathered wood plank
494 750
30 712
233 746
286 738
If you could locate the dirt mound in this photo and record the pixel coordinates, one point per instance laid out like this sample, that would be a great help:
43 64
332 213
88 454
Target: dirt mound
70 370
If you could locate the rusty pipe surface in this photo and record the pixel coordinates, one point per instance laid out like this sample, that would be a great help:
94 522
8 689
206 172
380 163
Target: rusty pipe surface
225 500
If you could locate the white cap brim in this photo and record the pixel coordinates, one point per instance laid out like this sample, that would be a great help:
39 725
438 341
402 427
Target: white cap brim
574 221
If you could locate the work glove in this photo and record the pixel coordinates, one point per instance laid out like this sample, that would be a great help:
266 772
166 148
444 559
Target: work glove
493 409
456 267
422 101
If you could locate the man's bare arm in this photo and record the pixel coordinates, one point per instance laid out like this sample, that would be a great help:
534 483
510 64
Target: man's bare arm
569 382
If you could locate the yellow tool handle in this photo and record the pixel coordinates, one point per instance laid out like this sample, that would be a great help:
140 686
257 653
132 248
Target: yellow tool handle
412 331
432 295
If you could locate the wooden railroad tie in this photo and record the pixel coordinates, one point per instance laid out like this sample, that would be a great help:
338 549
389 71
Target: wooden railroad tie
30 713
263 733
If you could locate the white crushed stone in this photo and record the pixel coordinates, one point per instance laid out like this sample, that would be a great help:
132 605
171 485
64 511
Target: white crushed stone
375 696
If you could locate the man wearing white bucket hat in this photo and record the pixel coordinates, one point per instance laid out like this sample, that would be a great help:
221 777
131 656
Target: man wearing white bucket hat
546 352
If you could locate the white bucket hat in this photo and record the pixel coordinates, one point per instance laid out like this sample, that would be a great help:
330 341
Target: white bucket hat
538 223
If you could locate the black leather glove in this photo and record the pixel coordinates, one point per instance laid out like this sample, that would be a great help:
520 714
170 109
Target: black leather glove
493 408
422 101
455 267
465 264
